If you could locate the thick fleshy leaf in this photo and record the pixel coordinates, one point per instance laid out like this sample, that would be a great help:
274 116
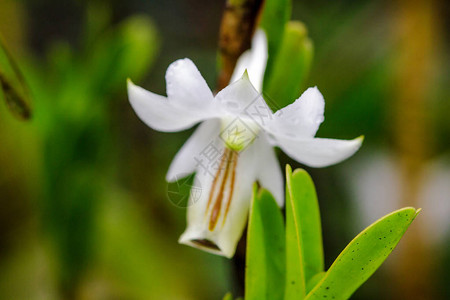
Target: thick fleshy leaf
253 60
186 86
311 283
301 118
159 113
269 172
305 209
265 262
319 152
295 287
189 157
291 67
304 257
363 256
275 15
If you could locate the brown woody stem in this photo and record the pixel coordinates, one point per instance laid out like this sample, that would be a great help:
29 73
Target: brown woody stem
236 31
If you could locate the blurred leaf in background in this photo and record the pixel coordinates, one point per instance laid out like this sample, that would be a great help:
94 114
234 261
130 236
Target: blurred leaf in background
74 92
290 54
13 87
291 68
73 120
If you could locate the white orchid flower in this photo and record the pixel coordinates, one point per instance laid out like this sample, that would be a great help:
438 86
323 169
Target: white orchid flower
233 146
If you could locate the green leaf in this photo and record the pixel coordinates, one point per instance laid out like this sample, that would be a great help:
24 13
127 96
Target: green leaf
17 102
304 195
362 257
127 51
265 265
275 15
98 18
289 73
303 233
228 296
314 281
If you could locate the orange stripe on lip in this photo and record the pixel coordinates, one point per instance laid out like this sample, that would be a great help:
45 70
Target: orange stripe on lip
229 159
234 159
216 178
218 204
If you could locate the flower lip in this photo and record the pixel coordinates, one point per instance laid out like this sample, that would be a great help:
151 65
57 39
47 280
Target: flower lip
205 242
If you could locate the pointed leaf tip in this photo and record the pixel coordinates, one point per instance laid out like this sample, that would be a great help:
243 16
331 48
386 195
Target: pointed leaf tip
288 169
418 211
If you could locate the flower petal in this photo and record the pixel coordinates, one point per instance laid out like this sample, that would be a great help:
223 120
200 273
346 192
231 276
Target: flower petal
269 172
318 152
157 111
242 99
301 118
186 86
233 193
188 157
253 60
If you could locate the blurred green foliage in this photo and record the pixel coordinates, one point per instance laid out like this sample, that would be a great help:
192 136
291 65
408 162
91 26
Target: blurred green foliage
76 140
287 81
275 15
290 54
13 88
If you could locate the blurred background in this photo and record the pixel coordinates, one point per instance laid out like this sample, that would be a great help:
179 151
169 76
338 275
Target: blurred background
84 212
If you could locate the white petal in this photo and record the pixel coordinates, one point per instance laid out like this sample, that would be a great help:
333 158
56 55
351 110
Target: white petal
186 86
242 65
301 118
269 172
318 152
187 158
158 112
242 99
223 238
253 60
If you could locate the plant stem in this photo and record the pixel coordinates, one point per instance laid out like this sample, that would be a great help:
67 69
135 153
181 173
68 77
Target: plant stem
236 30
